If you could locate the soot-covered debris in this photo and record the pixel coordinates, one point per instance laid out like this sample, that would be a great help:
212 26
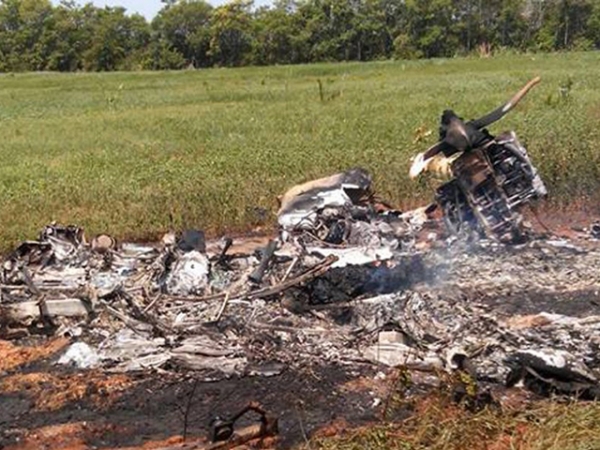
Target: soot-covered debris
492 177
348 280
518 313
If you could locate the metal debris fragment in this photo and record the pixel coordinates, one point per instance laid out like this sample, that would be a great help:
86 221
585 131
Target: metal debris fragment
492 176
223 430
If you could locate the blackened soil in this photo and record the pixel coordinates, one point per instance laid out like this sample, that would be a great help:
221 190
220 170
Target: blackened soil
154 407
578 303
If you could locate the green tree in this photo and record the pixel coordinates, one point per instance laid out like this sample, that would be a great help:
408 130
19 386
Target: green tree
564 24
35 35
511 26
183 27
279 35
23 25
117 37
232 34
428 28
329 27
497 23
67 38
371 37
593 24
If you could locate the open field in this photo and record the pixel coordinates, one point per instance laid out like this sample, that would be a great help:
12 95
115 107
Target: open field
133 154
121 152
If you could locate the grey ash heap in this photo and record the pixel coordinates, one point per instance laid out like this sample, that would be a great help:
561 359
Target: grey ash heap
461 284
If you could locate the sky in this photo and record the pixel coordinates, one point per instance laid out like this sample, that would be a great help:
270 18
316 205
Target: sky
149 8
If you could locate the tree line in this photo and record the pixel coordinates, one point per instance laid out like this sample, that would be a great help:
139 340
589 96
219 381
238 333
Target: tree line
36 35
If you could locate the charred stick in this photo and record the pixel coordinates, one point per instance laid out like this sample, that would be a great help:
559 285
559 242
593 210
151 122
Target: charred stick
222 258
222 309
286 329
152 303
208 298
188 408
159 327
309 275
119 315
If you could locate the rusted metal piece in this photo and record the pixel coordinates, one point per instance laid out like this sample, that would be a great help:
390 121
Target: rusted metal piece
224 437
492 175
260 435
222 430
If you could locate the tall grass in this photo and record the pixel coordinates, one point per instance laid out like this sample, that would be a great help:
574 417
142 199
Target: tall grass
123 152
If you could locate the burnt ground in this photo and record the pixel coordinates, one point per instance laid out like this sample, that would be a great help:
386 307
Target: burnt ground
579 303
91 409
44 406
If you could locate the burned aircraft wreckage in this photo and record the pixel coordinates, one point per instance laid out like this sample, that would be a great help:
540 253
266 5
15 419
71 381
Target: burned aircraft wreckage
492 176
348 280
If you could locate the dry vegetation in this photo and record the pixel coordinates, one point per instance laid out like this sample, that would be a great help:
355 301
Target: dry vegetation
513 419
544 426
121 152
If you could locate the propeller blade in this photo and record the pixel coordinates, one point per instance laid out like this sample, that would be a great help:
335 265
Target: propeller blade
417 166
499 113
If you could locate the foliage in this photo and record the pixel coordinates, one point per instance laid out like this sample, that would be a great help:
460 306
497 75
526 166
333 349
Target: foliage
231 34
37 35
182 29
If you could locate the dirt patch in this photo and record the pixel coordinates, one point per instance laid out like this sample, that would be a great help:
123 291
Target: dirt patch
578 303
75 436
14 356
72 436
51 392
528 321
565 220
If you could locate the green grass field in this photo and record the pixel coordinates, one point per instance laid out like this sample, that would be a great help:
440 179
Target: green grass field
120 152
